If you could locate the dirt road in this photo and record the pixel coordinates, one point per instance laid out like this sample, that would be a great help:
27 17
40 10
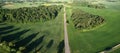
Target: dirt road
67 48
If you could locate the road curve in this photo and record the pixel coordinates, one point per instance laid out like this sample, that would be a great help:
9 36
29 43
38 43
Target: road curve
67 48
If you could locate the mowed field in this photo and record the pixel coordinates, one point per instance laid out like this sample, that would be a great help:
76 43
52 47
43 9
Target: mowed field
43 37
99 39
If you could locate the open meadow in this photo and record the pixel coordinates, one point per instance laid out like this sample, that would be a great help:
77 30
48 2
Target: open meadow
102 37
77 26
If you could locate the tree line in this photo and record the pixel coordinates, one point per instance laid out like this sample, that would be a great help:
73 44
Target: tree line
84 20
29 14
97 6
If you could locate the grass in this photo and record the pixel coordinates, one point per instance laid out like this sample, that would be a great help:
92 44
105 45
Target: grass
44 37
100 38
112 5
3 51
115 51
47 37
19 5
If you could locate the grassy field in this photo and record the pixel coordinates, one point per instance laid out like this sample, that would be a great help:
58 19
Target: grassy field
116 51
112 5
45 37
19 5
99 39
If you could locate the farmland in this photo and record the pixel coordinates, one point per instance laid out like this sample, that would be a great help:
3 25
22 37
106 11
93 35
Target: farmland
32 37
97 39
41 27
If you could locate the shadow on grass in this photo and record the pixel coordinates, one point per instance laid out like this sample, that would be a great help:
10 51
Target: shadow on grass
109 48
6 28
40 48
33 45
26 40
50 44
61 47
2 23
14 36
6 32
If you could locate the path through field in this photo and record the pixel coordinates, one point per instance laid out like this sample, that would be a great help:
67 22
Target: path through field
67 48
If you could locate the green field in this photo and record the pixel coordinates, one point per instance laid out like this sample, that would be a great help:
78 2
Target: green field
96 40
48 36
19 5
116 51
43 37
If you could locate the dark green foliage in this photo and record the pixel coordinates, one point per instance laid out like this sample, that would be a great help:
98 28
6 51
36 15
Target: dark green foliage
83 20
61 47
97 6
27 14
89 4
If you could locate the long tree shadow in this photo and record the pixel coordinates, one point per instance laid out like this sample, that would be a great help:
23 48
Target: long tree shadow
61 47
14 36
26 40
6 28
39 49
2 23
6 32
50 44
34 44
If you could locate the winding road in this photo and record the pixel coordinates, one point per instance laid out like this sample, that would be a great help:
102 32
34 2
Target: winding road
67 48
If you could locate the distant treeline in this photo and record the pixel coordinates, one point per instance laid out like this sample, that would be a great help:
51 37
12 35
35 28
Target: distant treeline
21 0
34 1
29 14
97 6
89 4
83 20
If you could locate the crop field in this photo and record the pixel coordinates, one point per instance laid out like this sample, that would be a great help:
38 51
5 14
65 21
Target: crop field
100 38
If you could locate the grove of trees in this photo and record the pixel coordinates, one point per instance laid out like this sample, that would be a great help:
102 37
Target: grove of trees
83 20
29 14
97 6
